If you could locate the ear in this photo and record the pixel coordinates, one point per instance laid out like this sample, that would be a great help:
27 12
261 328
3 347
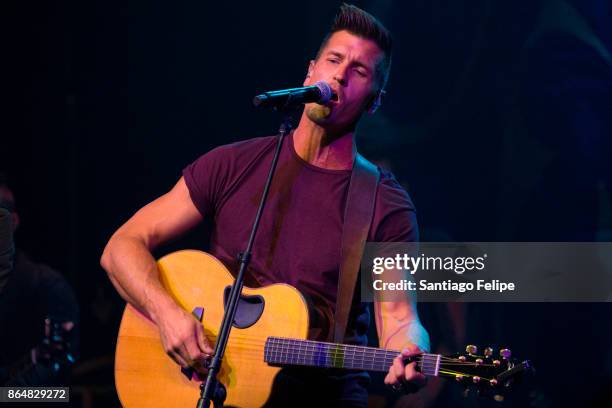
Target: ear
309 73
375 102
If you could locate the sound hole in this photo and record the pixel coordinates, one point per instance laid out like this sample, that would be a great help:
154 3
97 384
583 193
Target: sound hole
250 309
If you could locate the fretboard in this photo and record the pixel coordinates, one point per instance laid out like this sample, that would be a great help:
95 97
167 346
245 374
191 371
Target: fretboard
285 352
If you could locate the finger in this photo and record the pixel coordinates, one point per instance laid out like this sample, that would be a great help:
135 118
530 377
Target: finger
409 372
194 354
203 341
186 352
412 375
410 351
177 358
397 369
391 380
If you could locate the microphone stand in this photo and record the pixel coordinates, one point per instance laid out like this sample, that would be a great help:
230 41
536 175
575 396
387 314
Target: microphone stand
212 389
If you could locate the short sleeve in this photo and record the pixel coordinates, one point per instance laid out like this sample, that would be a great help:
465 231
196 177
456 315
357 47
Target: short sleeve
394 213
206 177
215 173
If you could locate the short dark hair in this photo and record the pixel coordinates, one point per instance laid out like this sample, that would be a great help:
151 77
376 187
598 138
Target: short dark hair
362 24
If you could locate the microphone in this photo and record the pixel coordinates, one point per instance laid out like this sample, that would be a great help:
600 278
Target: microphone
320 93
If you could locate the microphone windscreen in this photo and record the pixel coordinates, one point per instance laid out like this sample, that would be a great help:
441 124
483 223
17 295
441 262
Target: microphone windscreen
326 91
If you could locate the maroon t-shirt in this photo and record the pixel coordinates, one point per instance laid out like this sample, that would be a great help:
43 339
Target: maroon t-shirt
298 241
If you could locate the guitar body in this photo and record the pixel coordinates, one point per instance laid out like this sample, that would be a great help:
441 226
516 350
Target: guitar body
146 377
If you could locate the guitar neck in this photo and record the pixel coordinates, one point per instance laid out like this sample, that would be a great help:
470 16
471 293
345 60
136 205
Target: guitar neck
283 352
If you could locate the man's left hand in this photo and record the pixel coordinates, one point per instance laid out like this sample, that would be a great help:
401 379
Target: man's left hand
405 377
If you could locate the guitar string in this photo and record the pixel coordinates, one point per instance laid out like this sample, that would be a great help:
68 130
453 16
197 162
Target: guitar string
296 348
455 373
289 351
327 359
286 352
282 351
336 348
320 352
373 365
310 343
283 356
300 345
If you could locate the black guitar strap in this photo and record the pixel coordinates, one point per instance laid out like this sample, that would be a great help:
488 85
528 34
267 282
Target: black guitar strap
357 220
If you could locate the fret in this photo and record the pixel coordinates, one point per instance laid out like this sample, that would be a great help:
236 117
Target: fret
290 355
338 354
324 354
320 354
320 357
286 351
351 357
376 358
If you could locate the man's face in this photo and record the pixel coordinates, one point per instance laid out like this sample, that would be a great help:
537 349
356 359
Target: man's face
348 64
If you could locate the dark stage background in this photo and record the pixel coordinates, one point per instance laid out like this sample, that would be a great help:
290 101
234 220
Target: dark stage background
498 121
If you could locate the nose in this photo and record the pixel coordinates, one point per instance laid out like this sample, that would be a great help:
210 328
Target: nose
340 74
340 80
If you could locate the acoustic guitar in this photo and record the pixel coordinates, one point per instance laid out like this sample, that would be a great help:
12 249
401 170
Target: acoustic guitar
269 332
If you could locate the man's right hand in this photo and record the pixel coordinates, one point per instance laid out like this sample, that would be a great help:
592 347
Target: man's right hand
130 265
183 338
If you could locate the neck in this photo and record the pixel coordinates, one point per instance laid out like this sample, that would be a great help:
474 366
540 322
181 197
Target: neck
322 148
281 351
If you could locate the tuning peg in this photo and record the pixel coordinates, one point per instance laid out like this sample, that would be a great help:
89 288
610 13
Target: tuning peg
488 352
476 379
505 353
471 349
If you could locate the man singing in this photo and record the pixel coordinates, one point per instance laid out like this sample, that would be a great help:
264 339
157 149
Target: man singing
299 237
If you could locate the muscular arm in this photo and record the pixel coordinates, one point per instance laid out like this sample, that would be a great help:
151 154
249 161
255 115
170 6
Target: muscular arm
398 325
132 269
399 328
127 257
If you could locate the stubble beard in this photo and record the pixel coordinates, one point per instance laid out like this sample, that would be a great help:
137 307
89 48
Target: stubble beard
318 113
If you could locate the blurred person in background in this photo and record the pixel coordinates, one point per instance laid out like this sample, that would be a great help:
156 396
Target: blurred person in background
38 312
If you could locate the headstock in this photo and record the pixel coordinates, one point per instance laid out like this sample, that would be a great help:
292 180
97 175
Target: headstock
490 371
